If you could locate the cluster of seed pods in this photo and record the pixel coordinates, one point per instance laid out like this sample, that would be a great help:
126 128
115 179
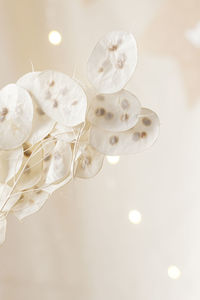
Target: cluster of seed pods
52 132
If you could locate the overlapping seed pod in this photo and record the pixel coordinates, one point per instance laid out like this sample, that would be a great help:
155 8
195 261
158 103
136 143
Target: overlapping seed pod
50 133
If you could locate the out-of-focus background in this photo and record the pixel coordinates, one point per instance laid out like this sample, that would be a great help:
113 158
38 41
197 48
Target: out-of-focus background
133 232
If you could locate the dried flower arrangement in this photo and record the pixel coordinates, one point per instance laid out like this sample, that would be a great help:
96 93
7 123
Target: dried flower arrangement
51 131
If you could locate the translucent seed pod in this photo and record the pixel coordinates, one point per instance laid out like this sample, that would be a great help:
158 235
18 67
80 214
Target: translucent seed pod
114 112
57 162
112 62
16 115
132 141
42 125
60 97
29 203
89 162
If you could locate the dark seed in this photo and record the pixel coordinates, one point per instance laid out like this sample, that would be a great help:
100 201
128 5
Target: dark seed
146 121
109 116
100 112
39 111
113 48
125 117
143 134
113 140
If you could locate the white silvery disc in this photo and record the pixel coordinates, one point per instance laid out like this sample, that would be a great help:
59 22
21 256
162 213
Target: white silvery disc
10 163
42 125
134 140
59 161
16 114
89 162
29 203
114 112
27 81
60 97
112 62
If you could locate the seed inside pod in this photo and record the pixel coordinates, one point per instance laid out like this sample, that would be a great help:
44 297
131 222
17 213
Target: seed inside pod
27 151
125 104
109 116
143 134
39 111
146 121
85 161
124 117
113 48
100 112
3 114
114 140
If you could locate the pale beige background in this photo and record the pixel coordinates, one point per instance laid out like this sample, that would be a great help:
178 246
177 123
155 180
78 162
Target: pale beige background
81 245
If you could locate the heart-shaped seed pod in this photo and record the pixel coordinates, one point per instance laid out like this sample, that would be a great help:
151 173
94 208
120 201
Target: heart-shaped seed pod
114 112
16 114
132 141
112 62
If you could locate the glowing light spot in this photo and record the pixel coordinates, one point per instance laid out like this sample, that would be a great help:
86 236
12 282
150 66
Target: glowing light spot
193 35
55 37
135 216
174 272
113 160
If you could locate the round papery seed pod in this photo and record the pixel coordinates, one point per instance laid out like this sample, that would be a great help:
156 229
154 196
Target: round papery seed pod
29 203
112 62
16 115
42 125
57 163
60 97
89 162
132 141
114 112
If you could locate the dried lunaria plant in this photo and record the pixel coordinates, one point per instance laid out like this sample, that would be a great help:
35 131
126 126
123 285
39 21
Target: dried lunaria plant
50 132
